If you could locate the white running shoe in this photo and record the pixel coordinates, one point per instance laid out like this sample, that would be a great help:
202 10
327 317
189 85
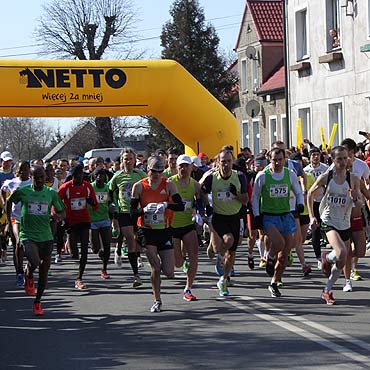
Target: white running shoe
319 265
348 286
117 259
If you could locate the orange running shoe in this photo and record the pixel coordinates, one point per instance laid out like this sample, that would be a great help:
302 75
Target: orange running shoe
37 309
29 285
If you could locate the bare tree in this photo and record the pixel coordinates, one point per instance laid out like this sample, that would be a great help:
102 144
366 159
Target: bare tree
86 29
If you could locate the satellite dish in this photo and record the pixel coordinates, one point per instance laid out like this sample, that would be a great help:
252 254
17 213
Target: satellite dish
251 52
253 108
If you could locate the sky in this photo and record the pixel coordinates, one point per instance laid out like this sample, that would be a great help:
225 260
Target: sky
19 19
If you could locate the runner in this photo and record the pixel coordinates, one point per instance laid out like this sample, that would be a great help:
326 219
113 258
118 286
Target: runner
272 209
101 235
35 232
6 172
120 188
76 194
341 192
184 236
229 191
8 188
154 194
172 155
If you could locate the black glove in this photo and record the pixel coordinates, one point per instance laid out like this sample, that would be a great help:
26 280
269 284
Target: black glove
209 210
300 208
259 222
233 190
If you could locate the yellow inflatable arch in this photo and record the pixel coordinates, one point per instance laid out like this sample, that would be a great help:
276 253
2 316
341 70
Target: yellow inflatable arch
161 88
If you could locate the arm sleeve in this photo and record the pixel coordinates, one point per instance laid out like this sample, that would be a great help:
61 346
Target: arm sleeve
207 184
257 189
178 205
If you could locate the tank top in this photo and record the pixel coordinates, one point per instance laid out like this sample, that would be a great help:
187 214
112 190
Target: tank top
275 196
336 205
182 219
149 195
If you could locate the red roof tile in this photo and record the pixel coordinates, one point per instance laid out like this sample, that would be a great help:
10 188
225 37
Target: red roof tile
267 17
276 81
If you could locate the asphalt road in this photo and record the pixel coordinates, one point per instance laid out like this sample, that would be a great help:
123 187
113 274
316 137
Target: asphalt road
109 326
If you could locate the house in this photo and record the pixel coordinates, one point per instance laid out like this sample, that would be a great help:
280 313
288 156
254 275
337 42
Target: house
329 67
260 50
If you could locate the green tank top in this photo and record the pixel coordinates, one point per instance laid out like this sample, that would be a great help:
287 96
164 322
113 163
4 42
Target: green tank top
276 193
224 203
102 196
182 219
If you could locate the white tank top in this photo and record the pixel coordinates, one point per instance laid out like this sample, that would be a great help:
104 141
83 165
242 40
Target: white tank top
336 205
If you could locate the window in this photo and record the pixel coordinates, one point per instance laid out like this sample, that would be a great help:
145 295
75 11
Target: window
256 136
273 129
301 34
333 24
305 116
245 133
243 75
254 67
283 129
336 116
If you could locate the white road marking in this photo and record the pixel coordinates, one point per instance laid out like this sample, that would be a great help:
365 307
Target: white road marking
340 349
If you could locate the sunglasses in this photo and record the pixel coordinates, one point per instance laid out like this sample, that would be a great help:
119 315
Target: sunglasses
156 171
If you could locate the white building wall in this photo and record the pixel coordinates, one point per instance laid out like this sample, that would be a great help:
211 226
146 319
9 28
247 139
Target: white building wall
346 81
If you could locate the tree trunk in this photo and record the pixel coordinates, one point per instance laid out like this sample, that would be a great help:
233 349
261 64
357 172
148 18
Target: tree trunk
104 132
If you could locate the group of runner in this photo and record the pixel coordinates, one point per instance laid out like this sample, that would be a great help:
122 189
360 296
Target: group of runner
166 205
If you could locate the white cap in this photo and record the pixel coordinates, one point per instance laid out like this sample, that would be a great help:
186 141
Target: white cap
183 159
138 162
196 161
86 162
6 156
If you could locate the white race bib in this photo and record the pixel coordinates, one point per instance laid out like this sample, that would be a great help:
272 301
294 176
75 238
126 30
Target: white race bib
102 197
78 204
187 204
126 192
279 191
337 200
154 218
224 195
37 208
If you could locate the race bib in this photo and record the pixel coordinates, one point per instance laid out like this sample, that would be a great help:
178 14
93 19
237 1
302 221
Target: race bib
126 192
187 204
78 204
224 196
37 208
337 200
154 218
279 190
102 197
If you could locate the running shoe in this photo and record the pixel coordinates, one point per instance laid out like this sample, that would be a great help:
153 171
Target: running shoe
37 309
140 263
104 275
230 282
124 252
137 282
20 280
355 275
210 252
290 259
3 256
58 258
262 262
115 233
117 259
328 297
29 285
80 285
270 266
325 265
348 286
188 296
319 265
280 283
251 262
185 266
232 273
306 269
156 306
220 265
222 287
274 290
